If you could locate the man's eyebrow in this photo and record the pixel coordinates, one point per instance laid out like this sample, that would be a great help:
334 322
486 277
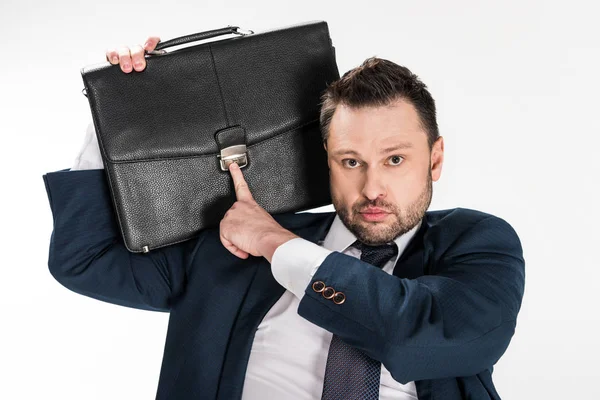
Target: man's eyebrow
398 146
343 152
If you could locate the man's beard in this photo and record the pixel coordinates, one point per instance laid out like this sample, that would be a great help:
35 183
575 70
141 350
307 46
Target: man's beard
378 233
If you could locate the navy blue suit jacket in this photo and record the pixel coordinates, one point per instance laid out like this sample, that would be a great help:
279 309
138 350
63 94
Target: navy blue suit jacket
443 319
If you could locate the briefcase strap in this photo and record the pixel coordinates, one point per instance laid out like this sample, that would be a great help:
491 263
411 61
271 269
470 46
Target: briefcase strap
199 36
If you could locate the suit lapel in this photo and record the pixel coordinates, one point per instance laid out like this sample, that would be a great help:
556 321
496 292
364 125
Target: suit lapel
411 262
263 293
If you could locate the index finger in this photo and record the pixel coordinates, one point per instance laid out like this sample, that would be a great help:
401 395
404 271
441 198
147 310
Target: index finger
242 191
151 43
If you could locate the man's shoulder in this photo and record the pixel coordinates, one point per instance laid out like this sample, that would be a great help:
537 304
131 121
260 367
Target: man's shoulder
456 225
456 218
304 220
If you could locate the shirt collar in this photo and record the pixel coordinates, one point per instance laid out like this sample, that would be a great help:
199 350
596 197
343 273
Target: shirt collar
339 238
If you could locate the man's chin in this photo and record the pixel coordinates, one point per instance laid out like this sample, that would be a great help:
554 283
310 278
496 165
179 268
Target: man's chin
372 232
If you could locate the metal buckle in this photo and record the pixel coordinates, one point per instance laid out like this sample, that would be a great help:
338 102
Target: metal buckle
233 154
243 32
156 52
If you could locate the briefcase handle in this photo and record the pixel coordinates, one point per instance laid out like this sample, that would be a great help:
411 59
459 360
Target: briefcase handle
159 49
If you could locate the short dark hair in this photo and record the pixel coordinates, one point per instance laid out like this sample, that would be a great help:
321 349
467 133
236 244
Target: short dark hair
379 82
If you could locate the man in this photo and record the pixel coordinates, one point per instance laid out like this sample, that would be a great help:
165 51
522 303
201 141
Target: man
381 299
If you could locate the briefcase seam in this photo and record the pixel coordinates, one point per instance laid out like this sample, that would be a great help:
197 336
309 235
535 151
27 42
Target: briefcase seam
214 67
210 154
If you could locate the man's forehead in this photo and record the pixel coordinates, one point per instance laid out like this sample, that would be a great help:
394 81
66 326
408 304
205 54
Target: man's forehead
382 136
401 118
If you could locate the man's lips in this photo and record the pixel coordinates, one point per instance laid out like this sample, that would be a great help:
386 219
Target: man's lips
374 214
374 211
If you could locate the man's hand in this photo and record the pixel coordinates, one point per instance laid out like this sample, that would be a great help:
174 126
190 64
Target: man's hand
134 56
246 227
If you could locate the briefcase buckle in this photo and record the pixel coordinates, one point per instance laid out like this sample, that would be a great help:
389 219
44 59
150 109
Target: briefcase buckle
233 154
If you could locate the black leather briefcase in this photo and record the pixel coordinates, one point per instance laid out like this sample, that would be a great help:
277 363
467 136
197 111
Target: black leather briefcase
168 133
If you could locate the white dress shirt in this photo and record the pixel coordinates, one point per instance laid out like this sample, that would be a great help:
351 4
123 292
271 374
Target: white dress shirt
289 353
89 155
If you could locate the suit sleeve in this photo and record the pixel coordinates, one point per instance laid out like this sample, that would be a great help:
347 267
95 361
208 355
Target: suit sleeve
457 322
87 254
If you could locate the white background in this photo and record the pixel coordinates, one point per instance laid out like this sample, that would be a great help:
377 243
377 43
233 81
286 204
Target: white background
517 88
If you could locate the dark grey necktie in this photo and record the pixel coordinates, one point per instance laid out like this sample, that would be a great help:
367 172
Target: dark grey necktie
350 374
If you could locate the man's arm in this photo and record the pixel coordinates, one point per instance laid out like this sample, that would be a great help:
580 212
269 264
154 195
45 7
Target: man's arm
457 322
87 253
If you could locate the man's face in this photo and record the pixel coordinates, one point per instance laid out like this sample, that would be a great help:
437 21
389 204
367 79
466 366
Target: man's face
381 169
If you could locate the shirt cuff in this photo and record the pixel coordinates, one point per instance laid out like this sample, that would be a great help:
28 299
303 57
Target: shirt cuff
89 155
295 262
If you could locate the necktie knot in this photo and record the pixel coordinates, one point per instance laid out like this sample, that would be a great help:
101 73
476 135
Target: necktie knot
376 255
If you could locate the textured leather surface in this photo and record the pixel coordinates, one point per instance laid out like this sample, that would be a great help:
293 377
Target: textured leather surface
157 130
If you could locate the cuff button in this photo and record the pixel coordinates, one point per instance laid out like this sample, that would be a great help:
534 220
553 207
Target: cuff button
318 286
328 292
339 298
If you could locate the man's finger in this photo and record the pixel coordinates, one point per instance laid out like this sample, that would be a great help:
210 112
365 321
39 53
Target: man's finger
125 59
137 57
242 191
233 249
151 43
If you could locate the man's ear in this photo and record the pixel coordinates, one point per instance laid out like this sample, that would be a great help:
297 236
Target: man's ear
437 159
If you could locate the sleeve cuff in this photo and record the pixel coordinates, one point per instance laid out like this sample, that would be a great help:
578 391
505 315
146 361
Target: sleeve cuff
89 155
295 262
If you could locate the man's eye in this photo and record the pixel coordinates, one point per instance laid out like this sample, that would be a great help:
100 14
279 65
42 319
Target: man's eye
350 162
396 160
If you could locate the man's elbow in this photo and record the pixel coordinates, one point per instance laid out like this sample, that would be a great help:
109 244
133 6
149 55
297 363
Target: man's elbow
66 274
59 269
73 269
411 363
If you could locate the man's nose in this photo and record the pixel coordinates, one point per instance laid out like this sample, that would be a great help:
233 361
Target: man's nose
373 185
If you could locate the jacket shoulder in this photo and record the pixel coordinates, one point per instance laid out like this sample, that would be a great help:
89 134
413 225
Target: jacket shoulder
464 227
456 216
459 219
305 220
